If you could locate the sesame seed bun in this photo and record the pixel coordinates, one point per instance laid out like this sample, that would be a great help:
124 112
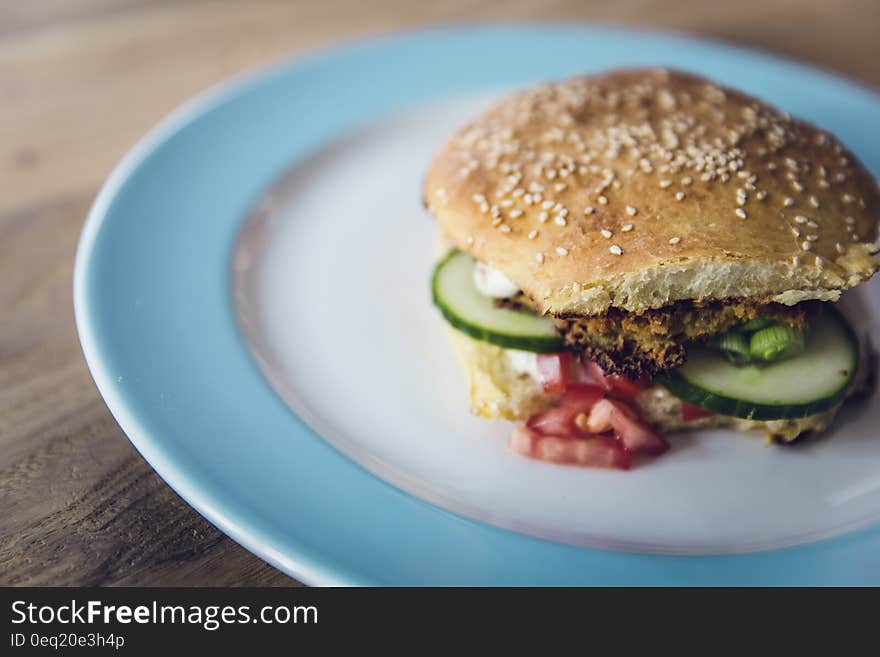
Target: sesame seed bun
639 188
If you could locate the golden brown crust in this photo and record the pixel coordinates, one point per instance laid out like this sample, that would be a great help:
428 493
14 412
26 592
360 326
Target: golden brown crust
703 193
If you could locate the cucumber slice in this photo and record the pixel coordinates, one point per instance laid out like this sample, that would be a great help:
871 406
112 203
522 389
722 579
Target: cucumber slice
806 384
473 313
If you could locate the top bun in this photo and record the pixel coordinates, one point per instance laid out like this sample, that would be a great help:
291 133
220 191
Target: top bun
639 188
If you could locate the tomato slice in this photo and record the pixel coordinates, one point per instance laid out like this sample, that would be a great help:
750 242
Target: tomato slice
552 368
561 371
590 451
582 396
636 436
626 388
693 412
590 373
609 415
561 420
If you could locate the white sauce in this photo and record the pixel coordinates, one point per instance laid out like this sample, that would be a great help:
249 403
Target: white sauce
523 362
492 283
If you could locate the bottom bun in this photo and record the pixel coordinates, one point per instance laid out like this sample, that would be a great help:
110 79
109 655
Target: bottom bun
497 390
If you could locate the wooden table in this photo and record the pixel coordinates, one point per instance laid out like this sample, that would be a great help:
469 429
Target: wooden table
80 81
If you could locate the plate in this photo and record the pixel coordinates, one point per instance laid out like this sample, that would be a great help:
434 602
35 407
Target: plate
251 295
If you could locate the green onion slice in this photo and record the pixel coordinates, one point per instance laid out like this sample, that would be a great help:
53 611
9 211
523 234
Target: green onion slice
776 342
734 345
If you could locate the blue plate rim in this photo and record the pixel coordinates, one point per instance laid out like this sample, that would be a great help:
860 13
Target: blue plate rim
312 568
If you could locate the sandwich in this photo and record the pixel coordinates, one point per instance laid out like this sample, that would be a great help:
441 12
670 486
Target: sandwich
643 251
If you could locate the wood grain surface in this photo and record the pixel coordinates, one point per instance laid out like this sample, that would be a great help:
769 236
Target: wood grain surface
80 81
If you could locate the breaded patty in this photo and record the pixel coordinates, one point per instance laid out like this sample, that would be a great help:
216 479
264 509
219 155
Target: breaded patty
655 340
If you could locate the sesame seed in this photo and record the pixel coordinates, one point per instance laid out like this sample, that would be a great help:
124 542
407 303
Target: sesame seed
519 191
515 214
761 195
479 198
741 213
606 233
679 196
795 231
812 238
589 209
540 258
547 204
675 240
801 219
850 220
497 221
484 207
806 246
533 234
616 250
504 228
559 186
848 198
561 250
788 202
603 200
506 203
559 219
812 224
819 261
687 180
665 183
797 186
543 217
840 248
626 228
814 201
631 211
